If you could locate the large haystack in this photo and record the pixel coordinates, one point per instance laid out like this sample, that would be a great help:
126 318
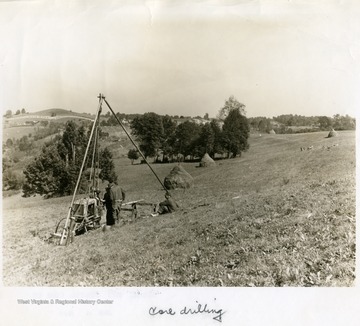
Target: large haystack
178 178
333 133
207 161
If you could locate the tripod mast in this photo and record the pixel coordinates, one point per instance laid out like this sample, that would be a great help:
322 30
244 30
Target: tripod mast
69 224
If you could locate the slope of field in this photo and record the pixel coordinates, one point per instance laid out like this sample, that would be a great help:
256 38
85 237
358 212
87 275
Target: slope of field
276 216
17 126
18 132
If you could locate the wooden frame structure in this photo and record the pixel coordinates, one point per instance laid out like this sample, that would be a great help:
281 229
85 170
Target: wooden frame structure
76 222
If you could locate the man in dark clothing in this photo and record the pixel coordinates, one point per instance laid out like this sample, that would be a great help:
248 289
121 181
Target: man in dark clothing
169 205
109 207
113 198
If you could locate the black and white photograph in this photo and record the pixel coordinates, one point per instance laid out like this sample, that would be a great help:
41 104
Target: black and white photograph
179 162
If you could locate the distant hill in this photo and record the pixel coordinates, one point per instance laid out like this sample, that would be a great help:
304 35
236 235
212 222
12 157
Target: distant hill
48 114
59 112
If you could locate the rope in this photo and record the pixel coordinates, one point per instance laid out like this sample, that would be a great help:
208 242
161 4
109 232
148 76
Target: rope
137 148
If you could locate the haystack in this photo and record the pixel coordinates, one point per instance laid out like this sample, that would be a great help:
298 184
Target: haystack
333 133
272 132
178 178
207 161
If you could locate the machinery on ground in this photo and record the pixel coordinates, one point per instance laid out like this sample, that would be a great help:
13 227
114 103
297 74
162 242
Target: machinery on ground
85 214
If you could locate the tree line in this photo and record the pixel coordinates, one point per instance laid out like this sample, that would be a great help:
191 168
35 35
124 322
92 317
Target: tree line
55 170
283 123
160 136
9 113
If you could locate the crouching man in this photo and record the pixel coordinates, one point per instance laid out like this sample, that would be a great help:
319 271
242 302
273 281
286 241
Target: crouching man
169 205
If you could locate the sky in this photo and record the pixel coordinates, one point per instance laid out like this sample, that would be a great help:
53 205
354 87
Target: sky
181 57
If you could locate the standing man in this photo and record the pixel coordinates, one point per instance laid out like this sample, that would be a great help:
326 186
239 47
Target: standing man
117 197
109 207
113 198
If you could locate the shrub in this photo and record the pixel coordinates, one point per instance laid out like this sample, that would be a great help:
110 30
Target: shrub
11 181
133 155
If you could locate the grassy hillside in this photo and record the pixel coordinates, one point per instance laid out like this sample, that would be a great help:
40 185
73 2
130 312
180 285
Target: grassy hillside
18 132
17 125
59 112
276 216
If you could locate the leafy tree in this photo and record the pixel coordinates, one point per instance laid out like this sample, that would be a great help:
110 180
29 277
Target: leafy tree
55 171
185 138
148 130
25 145
52 128
217 147
325 122
343 122
133 155
82 138
6 163
74 141
11 181
206 139
8 114
17 112
291 121
69 141
112 121
167 139
47 175
107 166
295 120
235 133
264 125
9 143
231 104
23 111
254 123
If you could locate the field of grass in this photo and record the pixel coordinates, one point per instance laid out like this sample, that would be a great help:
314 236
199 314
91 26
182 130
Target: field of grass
276 216
14 127
18 132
